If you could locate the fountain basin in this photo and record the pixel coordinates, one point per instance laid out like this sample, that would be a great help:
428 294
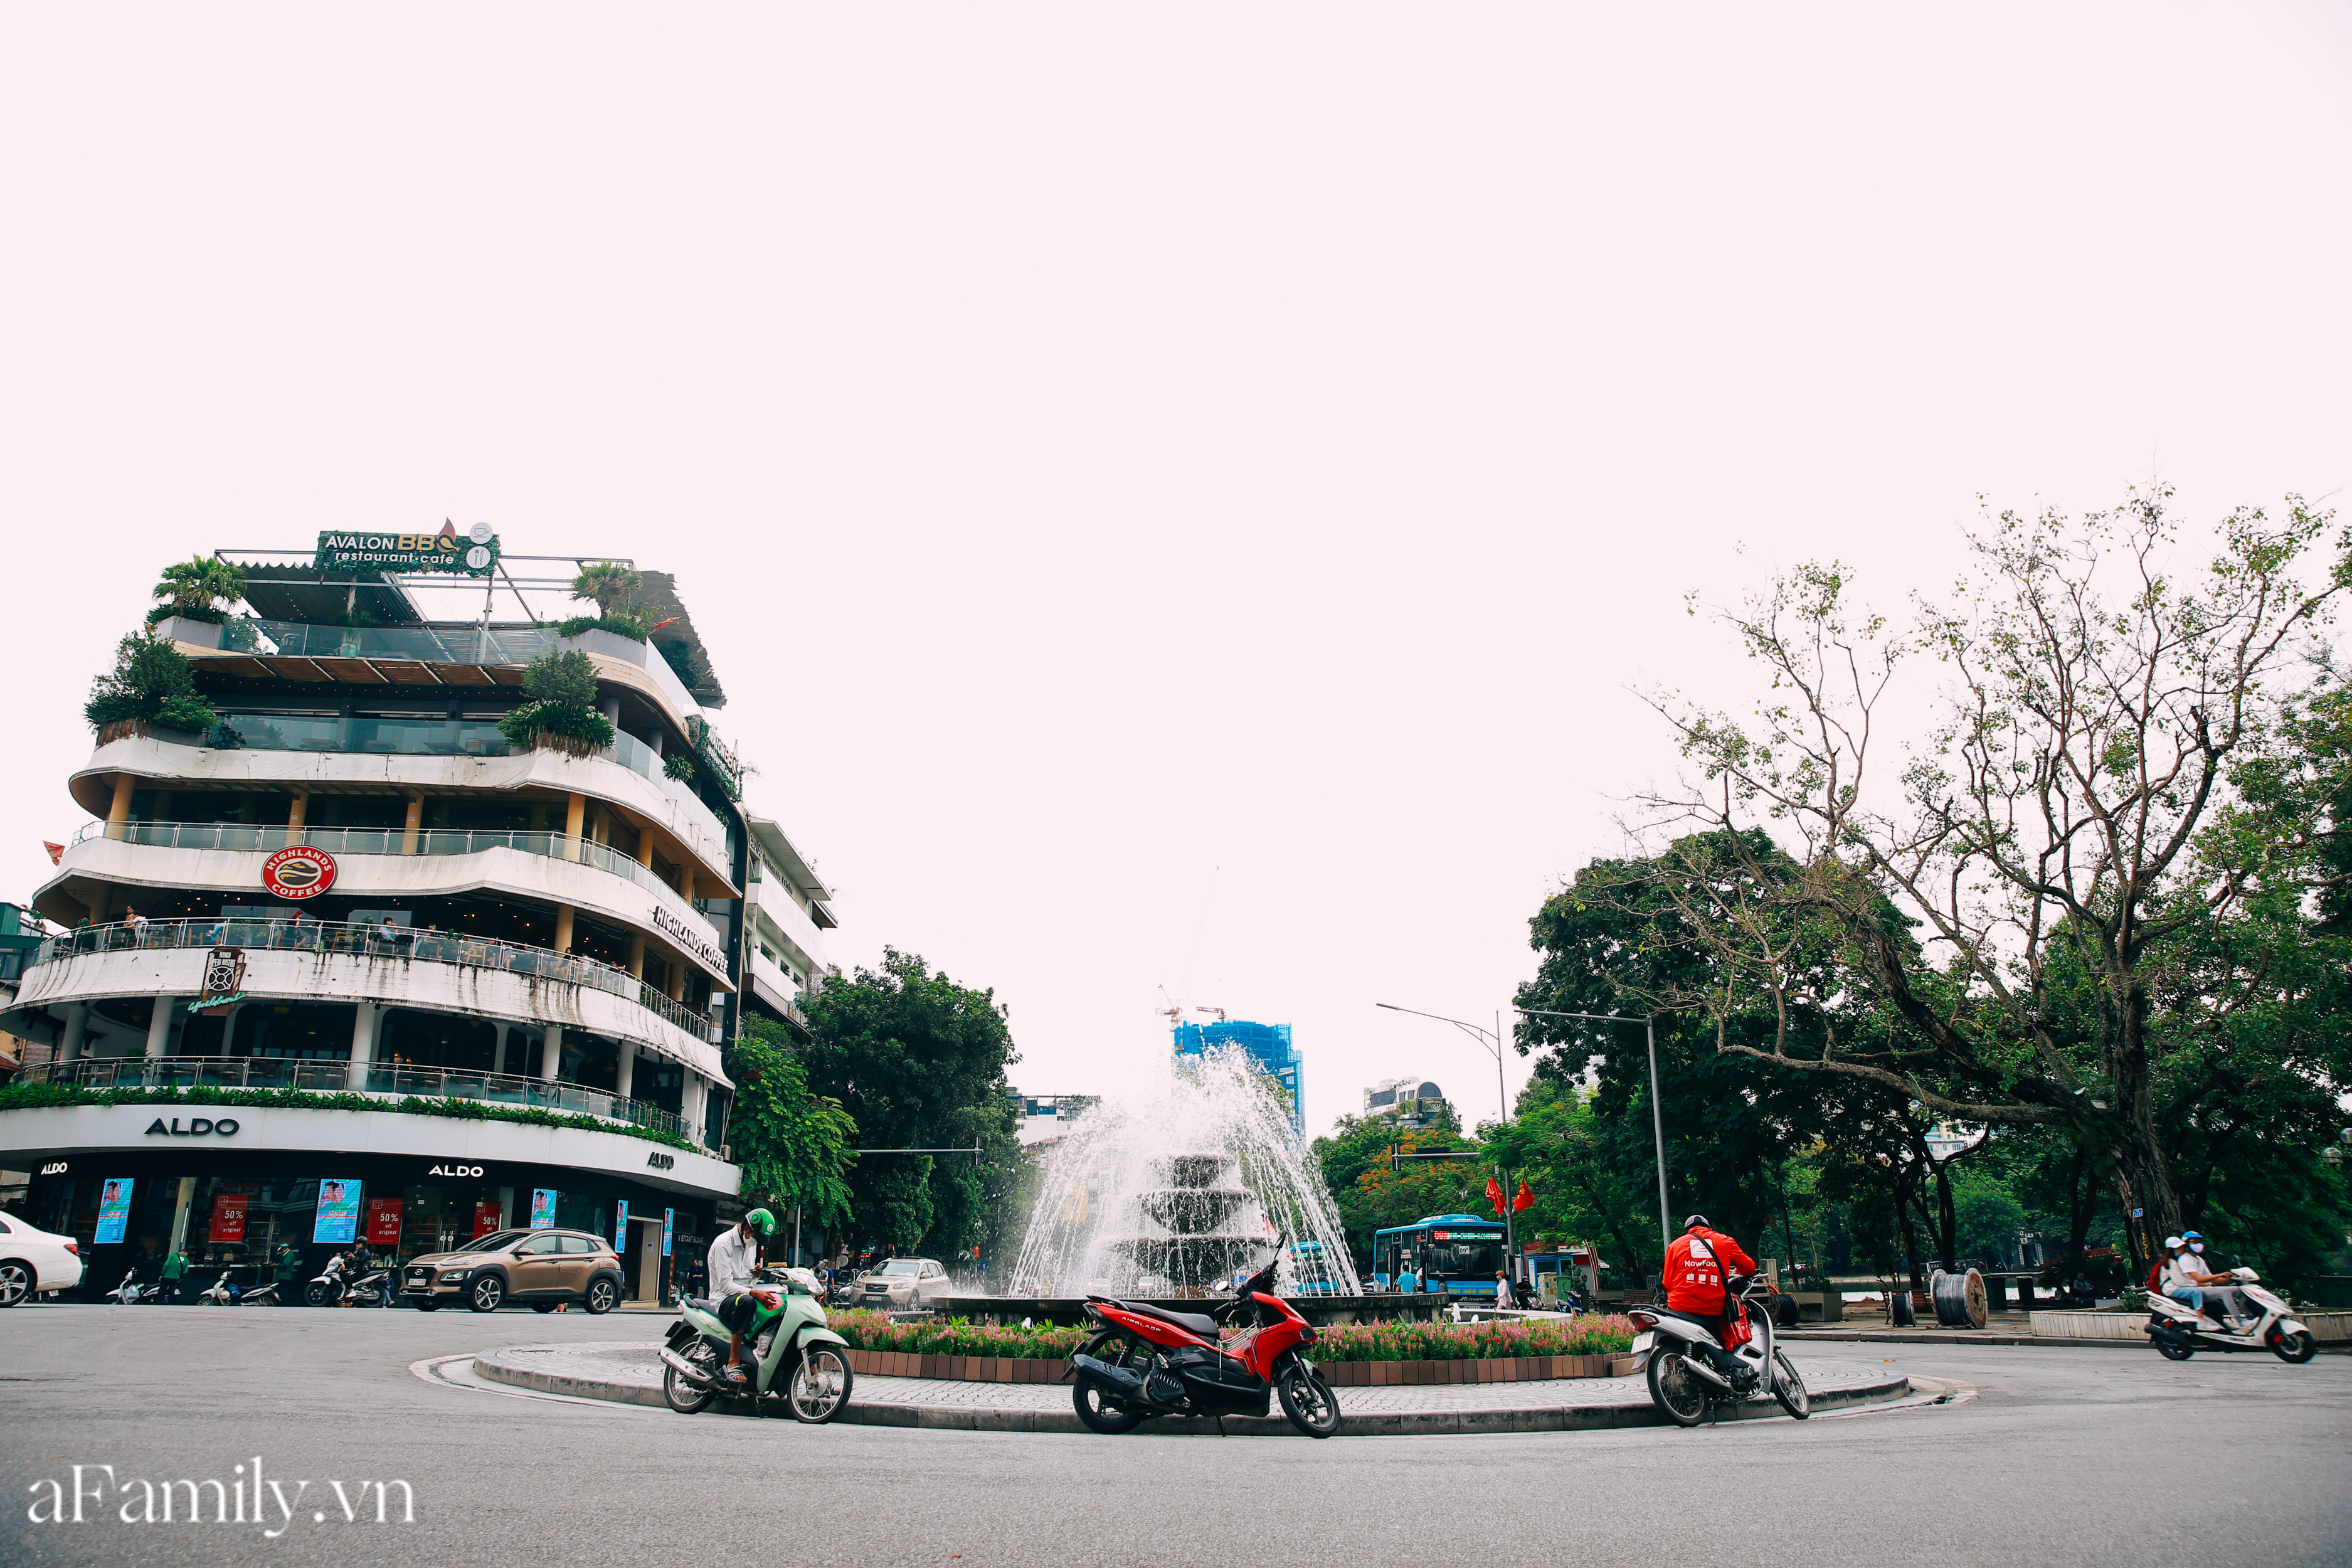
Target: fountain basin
1323 1311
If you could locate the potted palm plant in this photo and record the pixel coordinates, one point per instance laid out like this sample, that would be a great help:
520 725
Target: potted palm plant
193 593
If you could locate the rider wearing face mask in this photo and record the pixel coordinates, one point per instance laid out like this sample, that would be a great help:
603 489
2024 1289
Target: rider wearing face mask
2221 1288
1699 1265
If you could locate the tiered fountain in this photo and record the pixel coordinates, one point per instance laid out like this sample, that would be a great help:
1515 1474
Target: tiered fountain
1159 1198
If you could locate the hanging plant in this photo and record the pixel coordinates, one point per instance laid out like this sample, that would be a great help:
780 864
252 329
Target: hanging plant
679 765
152 687
561 713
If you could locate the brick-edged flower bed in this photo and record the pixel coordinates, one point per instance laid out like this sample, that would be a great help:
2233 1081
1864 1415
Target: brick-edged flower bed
1355 1355
1338 1374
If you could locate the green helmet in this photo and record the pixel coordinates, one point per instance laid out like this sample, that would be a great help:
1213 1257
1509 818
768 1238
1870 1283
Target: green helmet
761 1220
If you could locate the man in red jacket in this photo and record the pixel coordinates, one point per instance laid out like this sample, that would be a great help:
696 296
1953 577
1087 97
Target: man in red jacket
1699 1265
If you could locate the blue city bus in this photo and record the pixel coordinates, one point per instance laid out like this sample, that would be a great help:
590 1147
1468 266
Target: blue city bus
1311 1275
1466 1250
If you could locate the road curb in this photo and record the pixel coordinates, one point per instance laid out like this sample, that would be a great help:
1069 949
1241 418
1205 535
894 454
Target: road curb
1593 1417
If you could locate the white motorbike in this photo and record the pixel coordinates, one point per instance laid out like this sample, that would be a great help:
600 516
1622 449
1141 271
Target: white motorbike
2179 1330
1687 1387
131 1293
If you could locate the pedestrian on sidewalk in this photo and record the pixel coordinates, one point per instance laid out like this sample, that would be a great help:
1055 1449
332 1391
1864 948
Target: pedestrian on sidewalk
1503 1289
175 1268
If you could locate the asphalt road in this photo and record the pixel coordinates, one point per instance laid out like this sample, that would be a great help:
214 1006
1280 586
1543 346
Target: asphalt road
2059 1457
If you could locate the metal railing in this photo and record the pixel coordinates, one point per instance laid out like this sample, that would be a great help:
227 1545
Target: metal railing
423 737
441 645
238 837
403 943
331 1077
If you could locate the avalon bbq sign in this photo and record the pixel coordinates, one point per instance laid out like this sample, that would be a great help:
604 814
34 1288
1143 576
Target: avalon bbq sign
474 553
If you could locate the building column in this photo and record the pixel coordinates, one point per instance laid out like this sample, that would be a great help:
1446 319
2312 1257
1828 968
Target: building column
70 1042
677 968
119 813
159 1028
228 1028
415 820
498 1056
551 1053
612 710
645 847
294 817
563 913
575 813
624 1071
187 1197
637 954
690 1102
95 903
362 1044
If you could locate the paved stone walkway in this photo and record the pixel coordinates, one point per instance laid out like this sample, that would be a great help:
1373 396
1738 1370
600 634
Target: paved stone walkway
631 1373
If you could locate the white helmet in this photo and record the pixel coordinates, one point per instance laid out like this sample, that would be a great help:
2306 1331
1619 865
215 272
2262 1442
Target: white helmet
2172 1242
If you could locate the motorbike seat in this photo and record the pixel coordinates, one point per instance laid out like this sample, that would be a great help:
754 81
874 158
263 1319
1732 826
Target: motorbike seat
699 1303
1192 1323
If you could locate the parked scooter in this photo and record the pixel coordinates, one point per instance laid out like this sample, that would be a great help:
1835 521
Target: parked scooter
132 1293
224 1292
1144 1361
265 1294
338 1285
1685 1384
2179 1330
791 1359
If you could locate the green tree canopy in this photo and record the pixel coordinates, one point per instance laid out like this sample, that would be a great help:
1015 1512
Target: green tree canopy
151 683
197 587
918 1061
793 1146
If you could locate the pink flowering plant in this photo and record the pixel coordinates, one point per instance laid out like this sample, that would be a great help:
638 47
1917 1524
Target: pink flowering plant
1583 1334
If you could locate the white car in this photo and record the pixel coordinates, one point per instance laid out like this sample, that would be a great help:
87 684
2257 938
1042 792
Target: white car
903 1285
33 1261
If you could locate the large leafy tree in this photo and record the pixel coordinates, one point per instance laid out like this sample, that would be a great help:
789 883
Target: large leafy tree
918 1061
1370 1193
2079 845
793 1146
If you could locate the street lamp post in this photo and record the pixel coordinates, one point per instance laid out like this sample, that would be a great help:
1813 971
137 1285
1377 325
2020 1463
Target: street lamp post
1657 1122
1493 1040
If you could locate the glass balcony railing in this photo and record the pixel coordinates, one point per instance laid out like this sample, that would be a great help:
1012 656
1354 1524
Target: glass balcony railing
422 737
407 943
390 1080
442 644
244 838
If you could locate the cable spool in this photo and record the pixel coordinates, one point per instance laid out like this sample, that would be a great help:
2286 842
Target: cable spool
1898 1306
1959 1299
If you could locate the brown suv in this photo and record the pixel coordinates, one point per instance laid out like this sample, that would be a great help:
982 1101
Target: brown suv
537 1269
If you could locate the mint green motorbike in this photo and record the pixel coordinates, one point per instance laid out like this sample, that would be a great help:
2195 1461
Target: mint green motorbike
792 1364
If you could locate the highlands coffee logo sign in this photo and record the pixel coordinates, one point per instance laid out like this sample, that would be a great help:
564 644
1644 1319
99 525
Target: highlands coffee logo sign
676 930
298 872
472 554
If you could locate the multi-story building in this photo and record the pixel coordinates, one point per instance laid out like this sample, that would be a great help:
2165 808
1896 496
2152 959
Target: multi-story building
1407 1100
1269 1048
1046 1117
355 883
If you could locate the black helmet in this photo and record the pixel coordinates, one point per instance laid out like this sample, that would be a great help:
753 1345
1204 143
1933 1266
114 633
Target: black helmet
1694 1222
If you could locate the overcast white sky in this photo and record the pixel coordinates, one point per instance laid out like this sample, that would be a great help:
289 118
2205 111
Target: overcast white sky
1175 500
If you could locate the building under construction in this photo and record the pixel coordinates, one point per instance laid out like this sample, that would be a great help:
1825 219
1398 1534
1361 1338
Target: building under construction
1269 1048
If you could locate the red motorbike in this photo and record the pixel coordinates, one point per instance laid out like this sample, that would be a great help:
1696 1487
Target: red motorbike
1144 1361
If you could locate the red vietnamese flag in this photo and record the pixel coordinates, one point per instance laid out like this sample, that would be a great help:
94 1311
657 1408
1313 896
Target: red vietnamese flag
1495 1196
1523 1198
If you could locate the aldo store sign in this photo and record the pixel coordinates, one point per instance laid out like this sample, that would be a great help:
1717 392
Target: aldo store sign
197 1126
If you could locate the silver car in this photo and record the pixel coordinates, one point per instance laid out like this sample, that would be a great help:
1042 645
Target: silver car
904 1285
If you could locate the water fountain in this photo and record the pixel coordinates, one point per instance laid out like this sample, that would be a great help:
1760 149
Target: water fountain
1158 1196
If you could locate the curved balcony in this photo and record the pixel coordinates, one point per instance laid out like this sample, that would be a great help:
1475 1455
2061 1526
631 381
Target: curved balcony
686 930
388 1080
296 751
399 967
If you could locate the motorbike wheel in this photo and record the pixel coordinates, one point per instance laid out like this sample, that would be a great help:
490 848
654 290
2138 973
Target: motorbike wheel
1681 1395
820 1385
319 1296
681 1395
1098 1413
488 1294
2170 1351
1789 1388
1309 1401
2293 1349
